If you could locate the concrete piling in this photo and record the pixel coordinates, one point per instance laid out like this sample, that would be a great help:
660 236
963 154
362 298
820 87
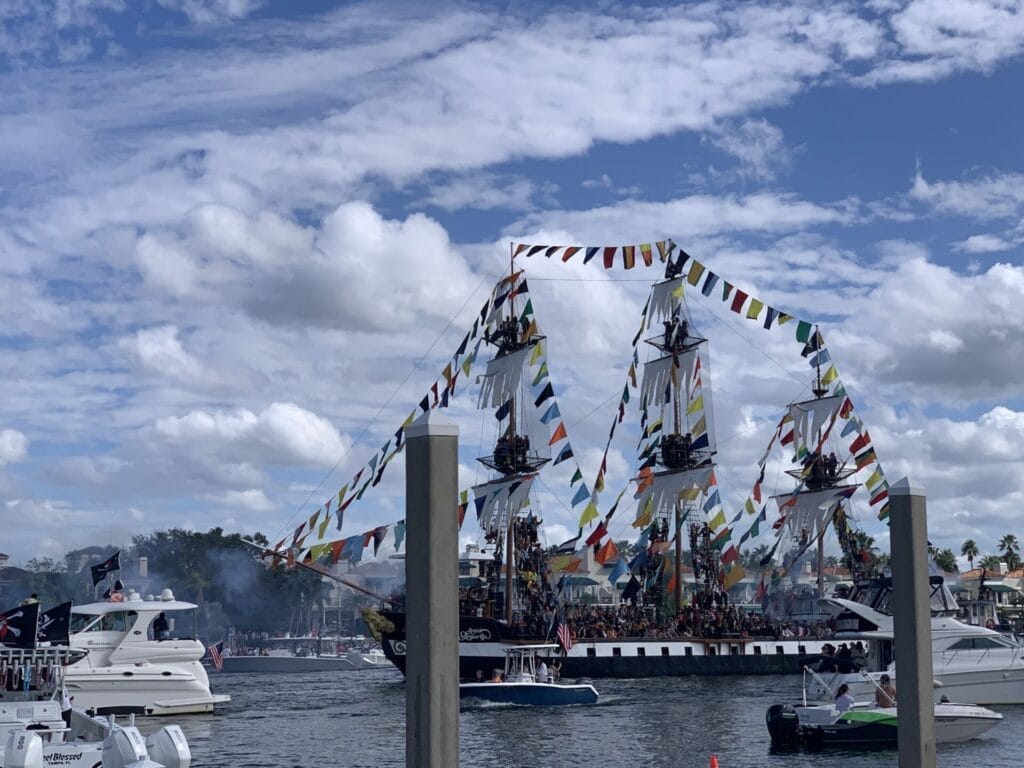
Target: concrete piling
432 585
908 528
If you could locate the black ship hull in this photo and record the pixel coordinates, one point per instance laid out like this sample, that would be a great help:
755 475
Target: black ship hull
482 642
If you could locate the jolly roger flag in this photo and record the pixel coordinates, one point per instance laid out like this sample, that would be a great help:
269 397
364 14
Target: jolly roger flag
18 626
108 565
53 625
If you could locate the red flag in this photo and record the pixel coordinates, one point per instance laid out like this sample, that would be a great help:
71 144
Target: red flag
737 300
597 535
860 442
607 552
559 434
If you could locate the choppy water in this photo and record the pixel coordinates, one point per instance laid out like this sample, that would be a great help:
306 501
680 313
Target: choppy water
357 720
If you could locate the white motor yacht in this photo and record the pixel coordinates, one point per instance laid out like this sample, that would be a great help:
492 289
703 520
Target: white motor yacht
128 670
969 663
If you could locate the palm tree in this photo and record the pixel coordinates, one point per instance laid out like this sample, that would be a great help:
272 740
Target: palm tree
1010 549
946 560
969 549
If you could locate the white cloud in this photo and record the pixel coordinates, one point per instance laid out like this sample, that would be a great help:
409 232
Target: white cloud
283 433
160 350
253 500
13 446
211 11
998 196
983 244
757 144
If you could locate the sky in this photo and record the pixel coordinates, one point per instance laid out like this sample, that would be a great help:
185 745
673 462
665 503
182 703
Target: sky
240 239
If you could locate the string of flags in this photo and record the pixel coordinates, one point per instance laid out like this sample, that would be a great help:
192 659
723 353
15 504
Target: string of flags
438 396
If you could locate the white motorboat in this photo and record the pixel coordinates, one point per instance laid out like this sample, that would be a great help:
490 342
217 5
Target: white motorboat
308 654
969 663
128 670
35 733
521 685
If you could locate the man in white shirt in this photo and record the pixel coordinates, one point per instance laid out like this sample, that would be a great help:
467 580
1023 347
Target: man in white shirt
542 672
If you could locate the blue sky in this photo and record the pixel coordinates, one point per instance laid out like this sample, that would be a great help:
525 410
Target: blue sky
235 235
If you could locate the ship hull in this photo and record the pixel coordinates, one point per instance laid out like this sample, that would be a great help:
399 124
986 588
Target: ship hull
482 643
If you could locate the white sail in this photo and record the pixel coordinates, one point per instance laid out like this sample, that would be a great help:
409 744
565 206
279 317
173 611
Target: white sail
502 499
665 297
501 381
658 377
812 510
810 417
660 497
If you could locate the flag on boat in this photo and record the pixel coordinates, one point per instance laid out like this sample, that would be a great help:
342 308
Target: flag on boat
108 565
18 626
215 651
53 625
564 635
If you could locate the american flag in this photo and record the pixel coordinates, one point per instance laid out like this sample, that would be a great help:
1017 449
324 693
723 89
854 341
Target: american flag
214 651
564 636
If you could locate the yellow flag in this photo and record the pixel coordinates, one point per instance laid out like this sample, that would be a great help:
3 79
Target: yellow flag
409 419
323 526
830 375
696 270
732 578
755 308
876 477
644 518
590 513
717 521
696 405
538 350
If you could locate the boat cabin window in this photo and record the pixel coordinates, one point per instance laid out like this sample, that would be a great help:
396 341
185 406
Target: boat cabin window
118 621
84 622
980 644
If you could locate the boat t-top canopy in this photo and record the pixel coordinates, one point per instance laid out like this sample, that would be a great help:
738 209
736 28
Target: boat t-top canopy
523 649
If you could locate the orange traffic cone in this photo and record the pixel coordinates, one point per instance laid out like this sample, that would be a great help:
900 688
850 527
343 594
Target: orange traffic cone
714 762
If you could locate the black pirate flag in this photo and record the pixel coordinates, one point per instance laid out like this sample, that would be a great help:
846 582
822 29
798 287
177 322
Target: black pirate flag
18 626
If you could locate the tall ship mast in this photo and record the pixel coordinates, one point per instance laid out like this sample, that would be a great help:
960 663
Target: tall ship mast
677 464
515 461
822 492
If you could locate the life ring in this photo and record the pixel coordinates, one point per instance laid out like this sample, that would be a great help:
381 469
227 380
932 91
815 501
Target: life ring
990 624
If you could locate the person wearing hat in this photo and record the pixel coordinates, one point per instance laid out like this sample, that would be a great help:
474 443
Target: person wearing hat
885 693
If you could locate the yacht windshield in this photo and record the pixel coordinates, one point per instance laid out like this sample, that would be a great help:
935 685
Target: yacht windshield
80 622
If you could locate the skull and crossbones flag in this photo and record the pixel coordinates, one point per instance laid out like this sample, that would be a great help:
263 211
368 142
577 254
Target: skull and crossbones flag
53 625
18 626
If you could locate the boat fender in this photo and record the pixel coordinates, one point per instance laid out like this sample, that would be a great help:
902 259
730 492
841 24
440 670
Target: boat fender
783 724
169 747
24 750
124 747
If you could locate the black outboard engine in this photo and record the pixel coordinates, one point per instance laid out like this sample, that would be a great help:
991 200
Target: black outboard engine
783 725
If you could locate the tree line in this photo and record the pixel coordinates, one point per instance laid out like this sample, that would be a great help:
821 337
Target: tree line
216 570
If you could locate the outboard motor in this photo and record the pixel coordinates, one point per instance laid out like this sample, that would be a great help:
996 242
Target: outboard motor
126 747
169 748
24 750
783 725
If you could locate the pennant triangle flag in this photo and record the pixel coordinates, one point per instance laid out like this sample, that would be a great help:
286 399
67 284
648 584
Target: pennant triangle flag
576 477
545 394
589 514
559 434
596 535
550 413
734 576
620 570
581 495
566 453
606 552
